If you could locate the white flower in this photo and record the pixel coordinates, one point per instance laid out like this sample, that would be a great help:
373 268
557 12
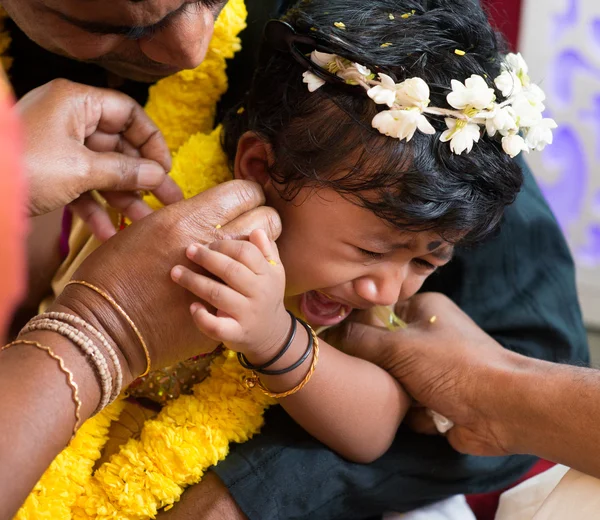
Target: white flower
528 112
516 63
313 81
384 94
508 83
402 124
413 92
322 59
462 135
501 120
535 94
540 135
514 144
475 93
362 70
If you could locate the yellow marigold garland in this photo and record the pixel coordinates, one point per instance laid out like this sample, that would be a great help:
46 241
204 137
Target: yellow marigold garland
177 104
191 433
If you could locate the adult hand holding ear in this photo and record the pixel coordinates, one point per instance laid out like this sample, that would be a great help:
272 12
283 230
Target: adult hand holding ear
134 268
80 138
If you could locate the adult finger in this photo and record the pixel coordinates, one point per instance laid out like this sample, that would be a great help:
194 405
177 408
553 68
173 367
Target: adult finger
219 206
120 114
264 217
103 142
129 204
118 172
94 215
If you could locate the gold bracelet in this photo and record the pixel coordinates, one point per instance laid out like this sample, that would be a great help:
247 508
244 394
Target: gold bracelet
254 381
64 370
125 316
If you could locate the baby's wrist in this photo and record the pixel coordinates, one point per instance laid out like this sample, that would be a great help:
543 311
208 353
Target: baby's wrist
274 344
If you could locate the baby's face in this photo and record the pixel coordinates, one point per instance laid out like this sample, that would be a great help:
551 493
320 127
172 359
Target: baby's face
339 256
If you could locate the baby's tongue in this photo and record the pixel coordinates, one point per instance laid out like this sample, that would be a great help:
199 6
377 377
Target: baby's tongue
320 311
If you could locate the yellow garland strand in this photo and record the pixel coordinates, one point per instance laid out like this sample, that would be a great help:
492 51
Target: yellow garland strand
191 433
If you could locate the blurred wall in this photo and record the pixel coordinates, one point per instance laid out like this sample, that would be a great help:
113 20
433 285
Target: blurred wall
560 39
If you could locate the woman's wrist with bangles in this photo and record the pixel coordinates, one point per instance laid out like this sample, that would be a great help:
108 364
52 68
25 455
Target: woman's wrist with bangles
79 344
98 312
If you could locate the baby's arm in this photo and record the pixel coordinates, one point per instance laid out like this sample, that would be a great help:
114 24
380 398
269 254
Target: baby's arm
351 405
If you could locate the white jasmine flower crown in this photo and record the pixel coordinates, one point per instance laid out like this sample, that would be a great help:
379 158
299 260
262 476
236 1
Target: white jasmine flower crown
518 120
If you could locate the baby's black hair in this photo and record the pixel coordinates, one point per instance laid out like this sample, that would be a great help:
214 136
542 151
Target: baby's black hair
325 138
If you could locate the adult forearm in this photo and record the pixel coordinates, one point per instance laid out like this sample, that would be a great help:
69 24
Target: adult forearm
38 412
549 410
351 405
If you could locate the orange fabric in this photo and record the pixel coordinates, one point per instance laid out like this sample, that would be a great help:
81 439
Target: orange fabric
12 212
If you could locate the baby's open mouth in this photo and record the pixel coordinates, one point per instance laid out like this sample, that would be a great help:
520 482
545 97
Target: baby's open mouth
322 311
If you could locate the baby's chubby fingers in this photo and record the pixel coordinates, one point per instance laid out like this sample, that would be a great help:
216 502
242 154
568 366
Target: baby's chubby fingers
267 247
244 252
211 291
219 328
234 273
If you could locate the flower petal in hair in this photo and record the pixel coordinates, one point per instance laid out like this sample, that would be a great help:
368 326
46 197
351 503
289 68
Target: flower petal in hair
475 93
508 83
313 81
385 92
413 92
501 120
528 112
515 63
402 124
539 136
462 135
514 144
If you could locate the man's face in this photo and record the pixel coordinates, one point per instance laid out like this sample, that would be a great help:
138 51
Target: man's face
143 40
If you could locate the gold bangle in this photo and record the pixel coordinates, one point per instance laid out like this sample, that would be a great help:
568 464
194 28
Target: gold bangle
254 381
64 370
125 316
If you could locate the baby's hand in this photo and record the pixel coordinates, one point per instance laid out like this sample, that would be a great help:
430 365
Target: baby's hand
248 295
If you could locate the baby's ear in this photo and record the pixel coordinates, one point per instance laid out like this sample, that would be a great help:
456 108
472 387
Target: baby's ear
253 159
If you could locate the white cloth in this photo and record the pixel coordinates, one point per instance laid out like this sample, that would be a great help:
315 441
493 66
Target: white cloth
557 494
455 508
523 501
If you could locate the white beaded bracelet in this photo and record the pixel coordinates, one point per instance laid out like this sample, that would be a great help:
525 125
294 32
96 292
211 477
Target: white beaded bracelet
76 321
88 347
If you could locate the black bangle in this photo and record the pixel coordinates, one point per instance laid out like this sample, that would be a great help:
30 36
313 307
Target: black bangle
246 364
304 357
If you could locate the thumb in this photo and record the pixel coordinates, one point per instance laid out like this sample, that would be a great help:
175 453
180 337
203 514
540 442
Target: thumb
113 171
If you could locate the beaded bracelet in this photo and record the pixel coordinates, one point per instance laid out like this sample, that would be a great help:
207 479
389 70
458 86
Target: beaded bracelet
125 316
261 369
87 346
77 321
253 380
61 363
